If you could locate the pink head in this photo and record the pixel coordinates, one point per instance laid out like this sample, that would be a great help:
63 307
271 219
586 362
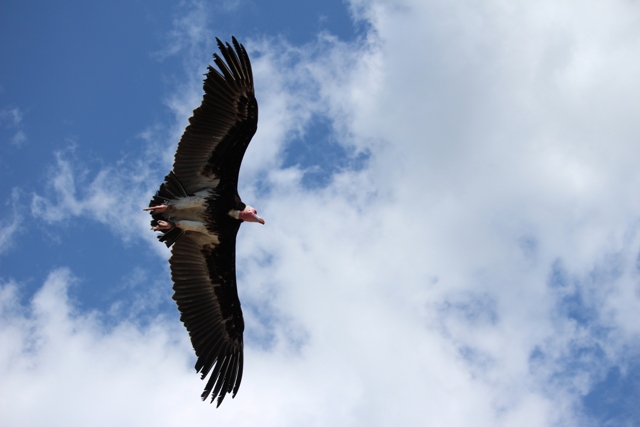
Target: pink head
249 214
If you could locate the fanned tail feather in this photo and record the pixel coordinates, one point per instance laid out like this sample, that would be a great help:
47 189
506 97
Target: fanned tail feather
170 189
169 237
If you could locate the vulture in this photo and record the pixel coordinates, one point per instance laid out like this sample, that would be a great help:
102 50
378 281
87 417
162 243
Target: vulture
198 212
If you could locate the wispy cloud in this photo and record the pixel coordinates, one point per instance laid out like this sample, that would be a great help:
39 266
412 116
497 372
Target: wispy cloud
12 118
19 138
11 221
190 30
114 195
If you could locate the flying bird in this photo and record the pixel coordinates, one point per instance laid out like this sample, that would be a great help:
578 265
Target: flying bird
198 212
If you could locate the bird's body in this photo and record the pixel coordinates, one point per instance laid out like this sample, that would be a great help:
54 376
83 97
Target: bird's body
198 212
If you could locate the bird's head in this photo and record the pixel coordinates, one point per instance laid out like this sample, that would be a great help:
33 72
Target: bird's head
249 214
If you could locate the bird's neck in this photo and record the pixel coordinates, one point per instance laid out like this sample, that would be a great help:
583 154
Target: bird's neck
234 213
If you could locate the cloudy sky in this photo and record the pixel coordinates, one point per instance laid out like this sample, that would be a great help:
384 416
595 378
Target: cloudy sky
452 197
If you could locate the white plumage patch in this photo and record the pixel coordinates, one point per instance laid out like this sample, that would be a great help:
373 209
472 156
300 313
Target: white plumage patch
198 227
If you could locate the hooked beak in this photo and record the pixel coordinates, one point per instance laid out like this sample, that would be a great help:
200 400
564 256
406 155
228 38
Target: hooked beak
251 217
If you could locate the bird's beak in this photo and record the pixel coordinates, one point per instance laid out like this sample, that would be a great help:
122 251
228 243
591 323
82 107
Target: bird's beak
260 220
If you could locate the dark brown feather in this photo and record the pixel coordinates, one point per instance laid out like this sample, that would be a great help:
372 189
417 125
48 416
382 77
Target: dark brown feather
220 130
214 317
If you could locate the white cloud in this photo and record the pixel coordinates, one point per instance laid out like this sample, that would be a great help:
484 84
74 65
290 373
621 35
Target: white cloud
66 362
10 222
12 116
19 138
489 126
189 31
480 270
114 196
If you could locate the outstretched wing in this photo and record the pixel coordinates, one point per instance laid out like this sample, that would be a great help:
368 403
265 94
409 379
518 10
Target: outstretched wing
212 146
204 278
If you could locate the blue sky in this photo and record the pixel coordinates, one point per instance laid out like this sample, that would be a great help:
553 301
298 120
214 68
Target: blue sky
451 197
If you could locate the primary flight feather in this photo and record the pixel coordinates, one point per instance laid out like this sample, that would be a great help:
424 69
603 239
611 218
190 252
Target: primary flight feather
198 212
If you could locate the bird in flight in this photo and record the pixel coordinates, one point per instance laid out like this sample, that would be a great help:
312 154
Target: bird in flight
198 212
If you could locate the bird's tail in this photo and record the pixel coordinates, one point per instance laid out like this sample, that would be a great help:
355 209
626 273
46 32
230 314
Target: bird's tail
170 189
